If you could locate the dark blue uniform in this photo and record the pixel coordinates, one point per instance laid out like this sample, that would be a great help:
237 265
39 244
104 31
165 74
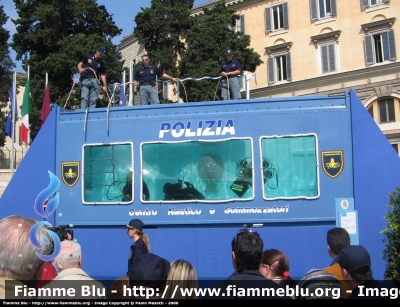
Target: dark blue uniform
228 66
146 77
231 66
99 67
90 81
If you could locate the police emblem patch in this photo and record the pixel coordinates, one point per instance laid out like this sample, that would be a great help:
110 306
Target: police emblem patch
332 162
70 173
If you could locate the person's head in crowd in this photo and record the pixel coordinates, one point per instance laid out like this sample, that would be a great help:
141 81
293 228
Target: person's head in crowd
355 262
337 239
275 265
247 248
182 274
135 232
116 289
319 284
70 256
149 270
17 254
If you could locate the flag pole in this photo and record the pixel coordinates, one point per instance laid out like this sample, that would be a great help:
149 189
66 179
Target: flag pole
124 86
47 80
27 145
130 84
13 123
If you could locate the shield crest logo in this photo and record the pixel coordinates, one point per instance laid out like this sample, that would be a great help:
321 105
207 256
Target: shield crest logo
70 173
332 162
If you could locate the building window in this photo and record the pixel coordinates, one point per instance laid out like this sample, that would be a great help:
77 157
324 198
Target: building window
276 17
386 110
380 47
322 9
279 68
371 110
396 147
240 24
328 57
369 3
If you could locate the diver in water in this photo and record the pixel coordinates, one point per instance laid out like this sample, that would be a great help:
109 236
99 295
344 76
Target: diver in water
127 189
177 192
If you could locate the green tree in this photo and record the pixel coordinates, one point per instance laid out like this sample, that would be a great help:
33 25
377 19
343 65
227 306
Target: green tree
6 65
207 42
391 254
161 28
52 37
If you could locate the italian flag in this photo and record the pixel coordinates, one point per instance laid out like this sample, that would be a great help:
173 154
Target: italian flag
25 113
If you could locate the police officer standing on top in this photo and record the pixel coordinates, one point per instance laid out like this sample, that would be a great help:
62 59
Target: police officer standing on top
230 69
145 81
91 68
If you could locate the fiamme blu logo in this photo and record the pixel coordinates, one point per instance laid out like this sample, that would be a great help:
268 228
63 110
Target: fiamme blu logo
45 205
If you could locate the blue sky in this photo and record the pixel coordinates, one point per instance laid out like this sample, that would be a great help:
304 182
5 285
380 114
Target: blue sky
123 11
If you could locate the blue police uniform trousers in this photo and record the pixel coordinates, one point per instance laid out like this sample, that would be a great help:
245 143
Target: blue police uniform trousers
233 87
148 92
89 93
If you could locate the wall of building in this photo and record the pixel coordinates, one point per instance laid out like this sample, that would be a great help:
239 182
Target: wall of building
304 37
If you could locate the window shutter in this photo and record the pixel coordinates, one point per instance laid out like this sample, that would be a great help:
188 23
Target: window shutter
242 23
268 22
313 7
324 59
392 46
369 49
271 73
333 8
285 15
288 67
332 57
364 3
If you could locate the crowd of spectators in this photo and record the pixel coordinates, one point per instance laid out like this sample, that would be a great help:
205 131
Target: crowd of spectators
348 276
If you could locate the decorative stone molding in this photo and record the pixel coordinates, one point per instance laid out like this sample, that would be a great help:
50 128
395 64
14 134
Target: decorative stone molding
383 91
199 9
331 36
285 47
384 24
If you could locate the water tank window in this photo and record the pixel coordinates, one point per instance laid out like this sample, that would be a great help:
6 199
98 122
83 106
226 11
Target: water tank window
290 167
107 177
198 171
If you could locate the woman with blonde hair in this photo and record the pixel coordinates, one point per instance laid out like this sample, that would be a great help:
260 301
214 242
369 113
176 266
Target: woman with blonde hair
141 243
182 275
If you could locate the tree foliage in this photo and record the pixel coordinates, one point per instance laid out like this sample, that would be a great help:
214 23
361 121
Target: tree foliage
207 42
391 253
52 37
6 65
161 28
